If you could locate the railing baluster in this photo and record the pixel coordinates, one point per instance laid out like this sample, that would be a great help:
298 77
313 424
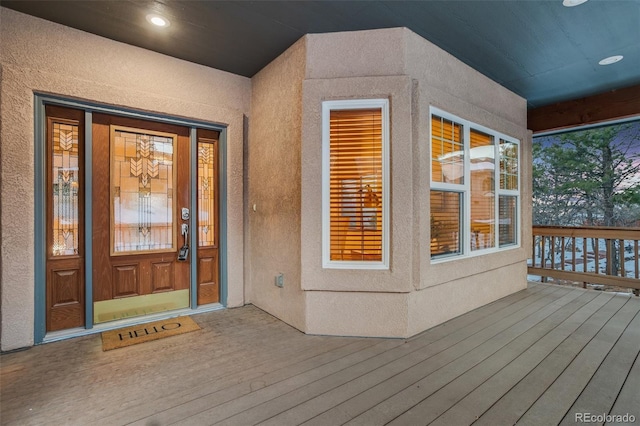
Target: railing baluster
621 251
552 251
584 254
635 257
562 253
596 254
543 261
609 253
573 254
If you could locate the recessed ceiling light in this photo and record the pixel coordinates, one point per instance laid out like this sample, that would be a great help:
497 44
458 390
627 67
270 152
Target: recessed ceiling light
611 60
571 3
158 20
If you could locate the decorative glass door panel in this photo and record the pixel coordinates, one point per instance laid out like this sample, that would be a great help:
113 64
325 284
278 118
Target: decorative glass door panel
140 183
207 192
207 218
142 191
64 218
65 177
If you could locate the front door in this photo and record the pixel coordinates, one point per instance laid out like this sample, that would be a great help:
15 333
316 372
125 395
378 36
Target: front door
140 188
139 183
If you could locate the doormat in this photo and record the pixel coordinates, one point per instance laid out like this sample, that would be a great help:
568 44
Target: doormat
133 335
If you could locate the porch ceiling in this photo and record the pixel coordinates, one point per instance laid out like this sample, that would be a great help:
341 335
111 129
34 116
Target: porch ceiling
541 50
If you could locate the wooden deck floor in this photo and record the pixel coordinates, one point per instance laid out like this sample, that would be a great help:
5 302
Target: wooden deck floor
536 357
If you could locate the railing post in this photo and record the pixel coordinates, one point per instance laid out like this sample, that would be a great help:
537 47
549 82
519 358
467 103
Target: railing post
609 245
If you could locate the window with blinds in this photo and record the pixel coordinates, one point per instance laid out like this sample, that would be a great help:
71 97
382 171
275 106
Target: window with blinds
483 204
508 193
474 193
355 199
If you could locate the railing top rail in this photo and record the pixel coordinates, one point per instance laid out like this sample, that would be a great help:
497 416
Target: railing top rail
588 232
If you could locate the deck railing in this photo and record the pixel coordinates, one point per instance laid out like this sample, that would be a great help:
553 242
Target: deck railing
597 255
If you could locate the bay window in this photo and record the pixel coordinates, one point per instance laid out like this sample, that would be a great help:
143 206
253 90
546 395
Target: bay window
474 187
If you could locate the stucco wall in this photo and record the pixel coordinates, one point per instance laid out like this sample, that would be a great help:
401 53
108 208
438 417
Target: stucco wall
415 293
40 56
398 278
437 304
446 83
273 176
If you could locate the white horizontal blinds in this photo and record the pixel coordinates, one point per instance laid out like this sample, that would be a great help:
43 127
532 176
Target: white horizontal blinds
447 168
446 229
508 219
355 185
474 188
447 151
482 158
509 191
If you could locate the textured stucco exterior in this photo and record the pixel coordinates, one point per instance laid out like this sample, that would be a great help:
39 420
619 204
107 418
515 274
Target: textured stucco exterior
415 293
273 176
40 56
274 142
399 276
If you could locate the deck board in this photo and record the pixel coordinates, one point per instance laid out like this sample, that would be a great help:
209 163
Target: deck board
629 395
412 354
555 403
611 375
515 403
529 333
534 357
474 404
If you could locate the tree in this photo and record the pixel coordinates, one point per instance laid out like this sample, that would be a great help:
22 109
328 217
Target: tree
588 177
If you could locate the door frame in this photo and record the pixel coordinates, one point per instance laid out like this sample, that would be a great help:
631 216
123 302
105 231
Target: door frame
40 176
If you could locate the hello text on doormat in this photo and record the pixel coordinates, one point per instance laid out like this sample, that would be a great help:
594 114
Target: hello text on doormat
133 335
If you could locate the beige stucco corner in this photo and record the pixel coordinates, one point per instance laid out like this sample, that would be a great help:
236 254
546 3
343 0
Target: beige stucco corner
346 313
415 293
437 304
273 193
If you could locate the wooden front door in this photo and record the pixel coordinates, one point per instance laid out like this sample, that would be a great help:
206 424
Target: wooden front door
140 186
140 183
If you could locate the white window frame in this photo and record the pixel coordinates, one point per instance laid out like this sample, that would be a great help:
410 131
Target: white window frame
510 193
465 187
354 104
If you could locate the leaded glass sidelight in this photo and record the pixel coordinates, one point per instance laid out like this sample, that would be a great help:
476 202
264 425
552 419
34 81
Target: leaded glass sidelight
65 175
142 191
207 192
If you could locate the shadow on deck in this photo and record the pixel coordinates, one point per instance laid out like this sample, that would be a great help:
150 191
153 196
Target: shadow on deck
541 356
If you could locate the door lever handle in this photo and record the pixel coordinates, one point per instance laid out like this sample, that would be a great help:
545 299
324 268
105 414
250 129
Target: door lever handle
184 250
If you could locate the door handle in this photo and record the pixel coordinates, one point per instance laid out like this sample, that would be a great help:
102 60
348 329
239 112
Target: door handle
184 250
